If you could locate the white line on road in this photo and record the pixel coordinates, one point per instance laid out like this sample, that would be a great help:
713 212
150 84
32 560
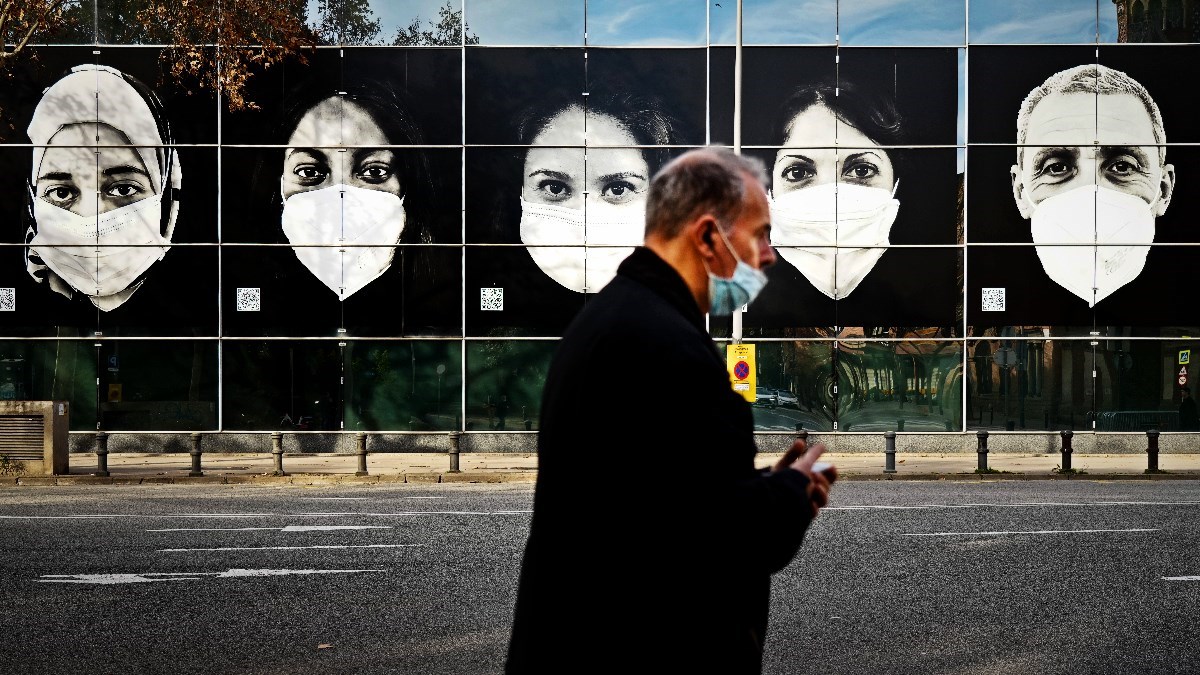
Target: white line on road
283 548
289 528
416 513
1022 505
1191 578
108 579
348 499
214 529
977 534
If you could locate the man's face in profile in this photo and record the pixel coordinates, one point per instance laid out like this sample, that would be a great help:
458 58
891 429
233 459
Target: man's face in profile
1060 154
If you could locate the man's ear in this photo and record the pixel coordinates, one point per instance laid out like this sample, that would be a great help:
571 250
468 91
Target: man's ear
701 232
1018 190
1166 188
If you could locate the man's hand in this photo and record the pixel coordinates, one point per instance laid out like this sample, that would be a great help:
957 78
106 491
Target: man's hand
801 458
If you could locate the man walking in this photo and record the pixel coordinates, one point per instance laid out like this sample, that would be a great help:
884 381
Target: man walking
664 566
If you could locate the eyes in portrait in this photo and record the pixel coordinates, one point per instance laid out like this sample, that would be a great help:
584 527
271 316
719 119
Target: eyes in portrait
1061 153
557 176
803 163
313 161
71 178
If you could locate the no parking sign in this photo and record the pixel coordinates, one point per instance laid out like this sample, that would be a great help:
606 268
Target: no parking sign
739 359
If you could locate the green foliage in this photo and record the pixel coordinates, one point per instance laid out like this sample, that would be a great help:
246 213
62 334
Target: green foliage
347 22
447 32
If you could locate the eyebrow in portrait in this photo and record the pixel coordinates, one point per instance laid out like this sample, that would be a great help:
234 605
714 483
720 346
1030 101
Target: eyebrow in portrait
124 168
1137 151
55 175
622 174
1044 154
551 174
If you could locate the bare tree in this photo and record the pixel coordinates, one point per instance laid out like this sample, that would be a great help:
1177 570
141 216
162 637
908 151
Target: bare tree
447 32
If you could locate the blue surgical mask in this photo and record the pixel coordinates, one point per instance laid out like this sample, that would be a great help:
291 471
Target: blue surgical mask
726 295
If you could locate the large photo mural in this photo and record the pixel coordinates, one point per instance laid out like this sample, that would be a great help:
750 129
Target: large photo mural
974 227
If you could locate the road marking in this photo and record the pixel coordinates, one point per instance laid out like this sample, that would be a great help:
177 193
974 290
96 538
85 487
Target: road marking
1191 578
976 534
1022 505
413 513
283 548
214 529
337 498
289 528
147 577
326 528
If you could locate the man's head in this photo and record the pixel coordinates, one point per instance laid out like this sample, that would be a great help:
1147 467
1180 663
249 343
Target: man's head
1090 125
704 208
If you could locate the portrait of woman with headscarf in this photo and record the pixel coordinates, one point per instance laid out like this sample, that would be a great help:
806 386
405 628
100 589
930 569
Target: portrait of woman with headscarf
103 187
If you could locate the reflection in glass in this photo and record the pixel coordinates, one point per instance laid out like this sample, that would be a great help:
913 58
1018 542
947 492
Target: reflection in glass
1033 21
796 386
403 386
914 385
1027 378
504 384
1149 21
52 371
527 22
646 22
286 386
776 22
912 23
158 386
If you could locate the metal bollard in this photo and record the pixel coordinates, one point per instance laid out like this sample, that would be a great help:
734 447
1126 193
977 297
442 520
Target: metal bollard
889 452
277 450
102 454
1066 449
982 450
360 448
454 452
1152 451
196 470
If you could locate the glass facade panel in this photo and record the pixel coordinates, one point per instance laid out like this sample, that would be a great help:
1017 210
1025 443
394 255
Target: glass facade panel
923 22
1031 22
504 384
964 197
52 370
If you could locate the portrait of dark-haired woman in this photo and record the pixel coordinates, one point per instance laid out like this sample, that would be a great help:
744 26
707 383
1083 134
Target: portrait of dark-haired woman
577 213
352 194
838 181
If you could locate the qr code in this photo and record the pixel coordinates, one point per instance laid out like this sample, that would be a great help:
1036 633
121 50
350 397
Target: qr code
8 299
491 299
249 299
993 299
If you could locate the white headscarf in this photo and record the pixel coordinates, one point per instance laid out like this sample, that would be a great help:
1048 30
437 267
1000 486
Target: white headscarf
95 94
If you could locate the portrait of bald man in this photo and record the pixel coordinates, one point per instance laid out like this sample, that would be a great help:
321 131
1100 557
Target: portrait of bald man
1091 178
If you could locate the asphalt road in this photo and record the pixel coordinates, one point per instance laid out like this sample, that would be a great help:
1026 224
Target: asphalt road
896 577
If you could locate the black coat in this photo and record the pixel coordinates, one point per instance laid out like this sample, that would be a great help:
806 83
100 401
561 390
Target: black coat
662 564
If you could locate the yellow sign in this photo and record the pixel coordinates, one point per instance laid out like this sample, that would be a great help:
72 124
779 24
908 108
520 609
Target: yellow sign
114 393
739 359
1185 356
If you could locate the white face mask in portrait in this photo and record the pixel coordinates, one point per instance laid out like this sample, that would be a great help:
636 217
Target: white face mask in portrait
1122 219
346 236
556 236
100 255
807 224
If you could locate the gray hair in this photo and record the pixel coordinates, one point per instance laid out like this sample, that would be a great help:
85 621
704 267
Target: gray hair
1090 78
705 180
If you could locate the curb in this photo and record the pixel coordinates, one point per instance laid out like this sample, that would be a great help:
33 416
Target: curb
526 477
270 479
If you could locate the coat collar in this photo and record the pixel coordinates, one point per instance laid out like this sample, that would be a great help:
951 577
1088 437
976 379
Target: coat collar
648 269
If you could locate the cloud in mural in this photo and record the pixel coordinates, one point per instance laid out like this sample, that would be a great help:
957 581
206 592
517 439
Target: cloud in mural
103 186
1091 177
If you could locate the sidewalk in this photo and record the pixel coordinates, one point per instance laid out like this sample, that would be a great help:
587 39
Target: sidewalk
316 469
